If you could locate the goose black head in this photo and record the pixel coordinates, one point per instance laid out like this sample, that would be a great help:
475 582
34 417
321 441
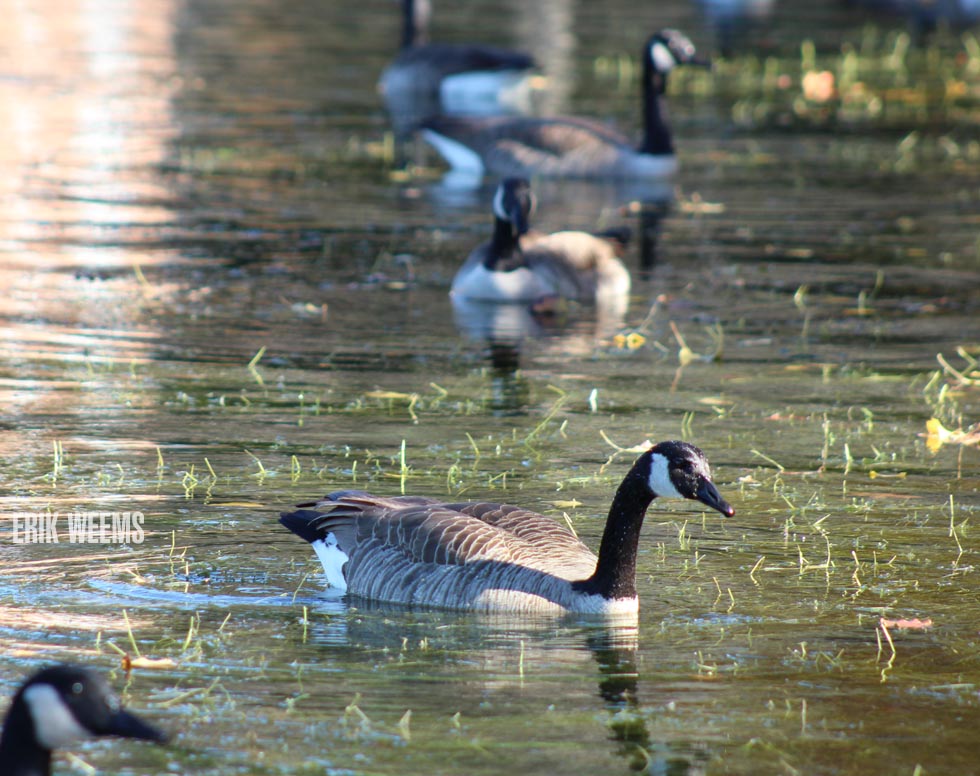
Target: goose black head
64 704
514 203
680 470
668 48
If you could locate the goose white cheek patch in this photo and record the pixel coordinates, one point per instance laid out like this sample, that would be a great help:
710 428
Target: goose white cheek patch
333 559
54 724
662 58
498 205
660 478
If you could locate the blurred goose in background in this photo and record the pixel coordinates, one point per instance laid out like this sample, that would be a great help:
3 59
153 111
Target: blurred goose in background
413 550
463 78
517 265
59 706
571 147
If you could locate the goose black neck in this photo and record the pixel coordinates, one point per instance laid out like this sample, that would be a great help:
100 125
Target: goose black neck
505 248
20 754
615 573
414 24
656 133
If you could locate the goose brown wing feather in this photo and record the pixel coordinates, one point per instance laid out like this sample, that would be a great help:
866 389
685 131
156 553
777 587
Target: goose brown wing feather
528 526
571 131
523 146
554 135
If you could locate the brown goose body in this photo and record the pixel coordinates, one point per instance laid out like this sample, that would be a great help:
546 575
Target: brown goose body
558 147
480 556
566 146
495 557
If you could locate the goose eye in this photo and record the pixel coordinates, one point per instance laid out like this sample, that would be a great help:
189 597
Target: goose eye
76 688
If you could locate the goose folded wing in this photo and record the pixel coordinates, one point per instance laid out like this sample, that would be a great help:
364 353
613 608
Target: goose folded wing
532 529
425 533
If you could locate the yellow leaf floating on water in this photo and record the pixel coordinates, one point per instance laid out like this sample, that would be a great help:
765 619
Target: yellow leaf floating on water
390 395
937 436
129 662
632 341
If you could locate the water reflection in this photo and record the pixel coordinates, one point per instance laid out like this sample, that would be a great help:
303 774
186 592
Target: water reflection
547 28
619 675
77 151
491 655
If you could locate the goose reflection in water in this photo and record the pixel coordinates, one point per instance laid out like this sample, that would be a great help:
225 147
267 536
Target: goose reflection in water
510 331
502 654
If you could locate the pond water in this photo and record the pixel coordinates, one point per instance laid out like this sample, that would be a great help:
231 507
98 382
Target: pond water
224 297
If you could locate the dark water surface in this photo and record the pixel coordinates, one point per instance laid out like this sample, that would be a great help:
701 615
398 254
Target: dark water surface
222 297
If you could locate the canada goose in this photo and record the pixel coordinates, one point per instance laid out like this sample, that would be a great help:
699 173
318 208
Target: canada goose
59 706
483 556
517 265
461 78
570 147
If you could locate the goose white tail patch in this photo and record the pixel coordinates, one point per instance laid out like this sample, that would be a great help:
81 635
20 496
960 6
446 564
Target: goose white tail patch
660 482
54 724
459 156
333 559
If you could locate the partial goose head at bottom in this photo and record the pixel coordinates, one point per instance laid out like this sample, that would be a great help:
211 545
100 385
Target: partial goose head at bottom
59 706
419 551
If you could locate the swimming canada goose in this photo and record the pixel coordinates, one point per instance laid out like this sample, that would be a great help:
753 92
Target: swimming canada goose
59 706
570 147
461 78
518 265
495 557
